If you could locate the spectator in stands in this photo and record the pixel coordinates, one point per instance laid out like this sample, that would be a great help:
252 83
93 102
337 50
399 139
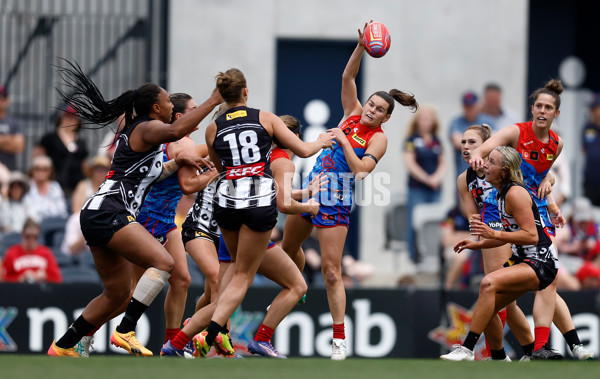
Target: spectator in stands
492 106
29 261
16 209
580 234
73 243
424 159
589 273
45 194
591 150
470 116
4 175
12 140
66 149
95 173
575 243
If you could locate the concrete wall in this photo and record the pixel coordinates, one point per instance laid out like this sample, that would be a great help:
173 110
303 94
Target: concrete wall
440 49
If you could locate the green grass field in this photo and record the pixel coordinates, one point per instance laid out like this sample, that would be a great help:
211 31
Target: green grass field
32 366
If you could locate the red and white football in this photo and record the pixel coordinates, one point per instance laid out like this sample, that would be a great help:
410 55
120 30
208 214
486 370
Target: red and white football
376 39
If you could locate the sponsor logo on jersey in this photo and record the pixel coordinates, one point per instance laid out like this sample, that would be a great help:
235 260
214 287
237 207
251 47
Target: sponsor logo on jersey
495 224
231 116
130 218
361 141
257 169
550 157
531 155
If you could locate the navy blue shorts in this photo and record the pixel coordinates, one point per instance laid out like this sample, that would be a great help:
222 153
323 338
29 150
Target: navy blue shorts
223 252
157 228
330 216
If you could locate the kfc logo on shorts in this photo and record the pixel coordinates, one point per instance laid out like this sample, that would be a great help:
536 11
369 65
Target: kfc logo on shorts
238 172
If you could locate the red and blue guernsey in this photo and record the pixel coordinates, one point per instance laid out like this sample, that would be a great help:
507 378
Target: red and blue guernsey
537 158
163 198
332 162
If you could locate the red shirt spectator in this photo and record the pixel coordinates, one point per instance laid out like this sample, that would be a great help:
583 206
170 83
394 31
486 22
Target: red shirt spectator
29 261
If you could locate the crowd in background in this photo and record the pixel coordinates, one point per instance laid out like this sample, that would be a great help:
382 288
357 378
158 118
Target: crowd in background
64 172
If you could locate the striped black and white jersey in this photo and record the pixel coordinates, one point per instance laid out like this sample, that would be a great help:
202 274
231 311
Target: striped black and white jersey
201 214
544 250
130 177
244 147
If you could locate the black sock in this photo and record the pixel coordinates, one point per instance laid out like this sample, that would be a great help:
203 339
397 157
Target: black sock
75 332
134 311
471 340
572 338
211 332
528 349
498 355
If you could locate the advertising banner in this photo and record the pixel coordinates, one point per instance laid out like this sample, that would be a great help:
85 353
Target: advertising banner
379 322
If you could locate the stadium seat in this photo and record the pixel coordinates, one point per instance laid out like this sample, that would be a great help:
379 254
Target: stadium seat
395 219
62 259
426 222
57 239
76 274
50 226
8 240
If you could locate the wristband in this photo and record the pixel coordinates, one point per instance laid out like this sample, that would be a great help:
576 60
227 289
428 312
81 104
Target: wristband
497 234
552 208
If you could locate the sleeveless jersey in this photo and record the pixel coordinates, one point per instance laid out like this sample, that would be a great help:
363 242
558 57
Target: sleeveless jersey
277 153
544 250
332 162
537 157
481 190
130 177
201 214
243 146
163 198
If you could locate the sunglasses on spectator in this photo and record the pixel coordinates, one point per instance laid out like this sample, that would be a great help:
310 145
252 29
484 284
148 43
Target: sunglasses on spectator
31 236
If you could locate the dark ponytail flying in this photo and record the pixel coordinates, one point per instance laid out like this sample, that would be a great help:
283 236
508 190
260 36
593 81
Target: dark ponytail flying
89 103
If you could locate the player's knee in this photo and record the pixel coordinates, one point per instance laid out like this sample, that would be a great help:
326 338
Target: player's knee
212 278
299 288
331 274
488 285
181 280
166 263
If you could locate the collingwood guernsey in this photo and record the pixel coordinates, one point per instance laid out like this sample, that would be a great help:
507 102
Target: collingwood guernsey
244 148
130 177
